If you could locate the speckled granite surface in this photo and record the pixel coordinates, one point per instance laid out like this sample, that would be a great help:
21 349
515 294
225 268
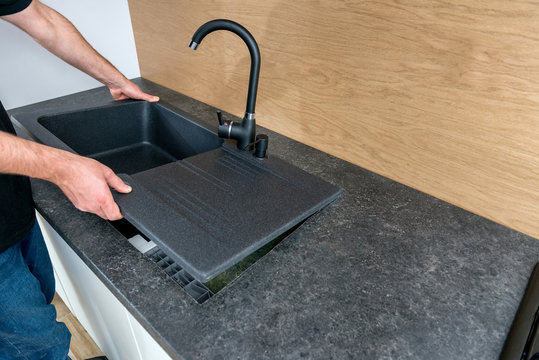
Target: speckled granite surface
385 272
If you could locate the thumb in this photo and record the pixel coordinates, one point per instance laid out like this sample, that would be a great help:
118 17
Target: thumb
149 98
135 92
117 184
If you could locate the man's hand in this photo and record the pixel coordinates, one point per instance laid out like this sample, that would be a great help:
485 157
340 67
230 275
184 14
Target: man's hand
83 180
129 90
86 184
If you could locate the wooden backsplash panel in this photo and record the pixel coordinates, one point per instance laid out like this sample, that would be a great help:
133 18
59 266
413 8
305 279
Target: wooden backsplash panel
440 95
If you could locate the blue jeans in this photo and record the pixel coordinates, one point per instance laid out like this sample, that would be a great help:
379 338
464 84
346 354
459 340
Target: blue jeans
28 326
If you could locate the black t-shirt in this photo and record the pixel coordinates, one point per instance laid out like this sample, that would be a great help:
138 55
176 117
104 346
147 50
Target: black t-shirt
8 7
16 205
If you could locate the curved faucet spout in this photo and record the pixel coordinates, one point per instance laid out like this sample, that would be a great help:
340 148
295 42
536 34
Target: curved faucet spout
221 24
244 133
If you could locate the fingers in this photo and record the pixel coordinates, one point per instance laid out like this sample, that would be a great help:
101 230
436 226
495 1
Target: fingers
130 90
117 94
134 92
121 97
116 183
87 184
107 210
110 209
148 97
103 205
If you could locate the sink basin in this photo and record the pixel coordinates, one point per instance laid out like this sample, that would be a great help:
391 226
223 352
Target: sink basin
132 136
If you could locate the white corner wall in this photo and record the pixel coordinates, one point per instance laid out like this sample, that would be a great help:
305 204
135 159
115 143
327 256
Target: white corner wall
29 73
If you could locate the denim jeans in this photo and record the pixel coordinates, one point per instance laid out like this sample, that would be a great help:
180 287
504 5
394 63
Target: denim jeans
28 326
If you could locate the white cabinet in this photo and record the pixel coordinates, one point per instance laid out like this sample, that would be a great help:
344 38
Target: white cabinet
119 335
147 346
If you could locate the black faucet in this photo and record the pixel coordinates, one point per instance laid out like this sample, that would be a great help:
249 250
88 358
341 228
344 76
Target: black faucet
245 132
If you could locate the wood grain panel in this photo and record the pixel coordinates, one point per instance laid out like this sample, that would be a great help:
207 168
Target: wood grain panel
440 95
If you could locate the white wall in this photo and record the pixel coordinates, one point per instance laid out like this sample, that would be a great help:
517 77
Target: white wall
29 74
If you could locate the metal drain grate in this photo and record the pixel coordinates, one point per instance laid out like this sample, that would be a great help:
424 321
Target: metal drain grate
193 287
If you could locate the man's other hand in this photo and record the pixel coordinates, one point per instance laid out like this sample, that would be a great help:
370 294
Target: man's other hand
129 90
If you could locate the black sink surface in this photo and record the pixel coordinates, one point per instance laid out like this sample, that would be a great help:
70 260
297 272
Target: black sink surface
211 210
204 202
131 137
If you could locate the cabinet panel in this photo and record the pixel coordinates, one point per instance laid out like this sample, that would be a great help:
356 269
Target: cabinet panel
96 308
148 347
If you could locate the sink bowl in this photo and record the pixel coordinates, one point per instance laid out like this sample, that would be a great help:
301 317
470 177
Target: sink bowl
131 137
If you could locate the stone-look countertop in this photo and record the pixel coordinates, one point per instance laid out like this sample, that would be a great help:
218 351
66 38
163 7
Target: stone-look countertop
385 272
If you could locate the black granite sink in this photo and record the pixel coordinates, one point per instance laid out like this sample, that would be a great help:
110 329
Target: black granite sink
205 203
131 137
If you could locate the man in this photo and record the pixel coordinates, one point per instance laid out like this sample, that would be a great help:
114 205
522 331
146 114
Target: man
28 327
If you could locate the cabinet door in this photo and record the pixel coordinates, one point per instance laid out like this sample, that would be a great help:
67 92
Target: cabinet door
148 347
64 284
96 308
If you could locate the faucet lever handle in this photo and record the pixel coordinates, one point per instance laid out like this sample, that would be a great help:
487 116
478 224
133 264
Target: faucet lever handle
220 117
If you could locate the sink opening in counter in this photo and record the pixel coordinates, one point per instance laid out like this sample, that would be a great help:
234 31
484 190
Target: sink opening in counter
200 292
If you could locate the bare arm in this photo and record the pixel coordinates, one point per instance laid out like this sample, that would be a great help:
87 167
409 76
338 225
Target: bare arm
84 181
55 33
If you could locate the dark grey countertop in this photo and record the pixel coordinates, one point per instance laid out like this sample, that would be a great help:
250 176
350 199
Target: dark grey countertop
385 272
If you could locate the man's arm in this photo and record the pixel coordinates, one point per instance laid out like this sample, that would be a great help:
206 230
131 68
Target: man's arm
84 181
55 33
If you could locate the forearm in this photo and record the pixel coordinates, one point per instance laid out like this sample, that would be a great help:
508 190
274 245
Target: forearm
55 33
22 157
84 181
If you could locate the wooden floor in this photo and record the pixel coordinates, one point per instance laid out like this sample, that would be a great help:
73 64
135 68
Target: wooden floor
82 345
